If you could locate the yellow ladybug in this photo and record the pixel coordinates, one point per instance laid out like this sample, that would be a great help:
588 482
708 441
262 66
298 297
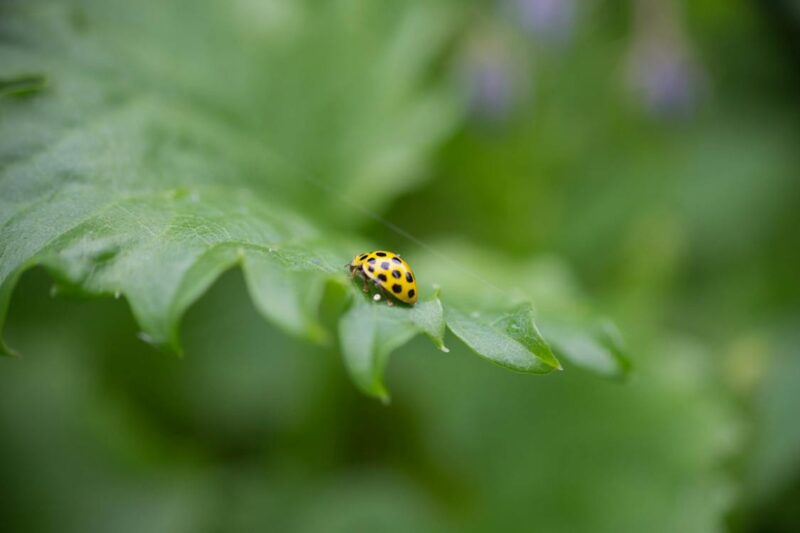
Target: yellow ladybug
390 274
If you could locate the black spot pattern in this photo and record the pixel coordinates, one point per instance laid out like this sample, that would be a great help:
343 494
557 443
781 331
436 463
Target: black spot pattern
380 267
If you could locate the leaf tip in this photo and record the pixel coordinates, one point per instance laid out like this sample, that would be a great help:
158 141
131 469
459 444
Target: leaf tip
321 337
144 337
171 345
551 361
378 391
316 333
7 351
176 348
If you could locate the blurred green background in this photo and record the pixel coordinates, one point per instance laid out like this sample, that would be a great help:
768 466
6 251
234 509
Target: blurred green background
635 159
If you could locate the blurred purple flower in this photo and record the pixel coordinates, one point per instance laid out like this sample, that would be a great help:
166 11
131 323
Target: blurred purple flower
552 20
491 89
664 77
661 71
493 81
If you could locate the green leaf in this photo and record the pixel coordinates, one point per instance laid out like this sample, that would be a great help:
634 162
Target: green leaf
595 348
428 316
287 287
167 150
153 178
510 340
163 250
146 173
573 333
369 331
23 85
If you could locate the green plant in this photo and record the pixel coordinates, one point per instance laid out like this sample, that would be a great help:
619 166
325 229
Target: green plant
151 160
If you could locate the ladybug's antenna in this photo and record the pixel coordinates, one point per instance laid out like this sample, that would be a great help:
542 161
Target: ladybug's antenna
306 175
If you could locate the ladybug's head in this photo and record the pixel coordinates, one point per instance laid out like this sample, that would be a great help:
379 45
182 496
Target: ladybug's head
358 260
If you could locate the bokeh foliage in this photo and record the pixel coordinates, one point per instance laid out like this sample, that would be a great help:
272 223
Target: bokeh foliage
556 155
174 180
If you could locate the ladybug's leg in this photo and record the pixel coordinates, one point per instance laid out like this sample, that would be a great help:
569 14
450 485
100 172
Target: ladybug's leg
360 273
386 296
365 279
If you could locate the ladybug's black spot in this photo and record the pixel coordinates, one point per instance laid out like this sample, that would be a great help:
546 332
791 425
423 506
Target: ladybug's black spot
362 257
409 277
371 269
371 261
385 265
411 292
396 274
382 277
396 260
396 288
380 254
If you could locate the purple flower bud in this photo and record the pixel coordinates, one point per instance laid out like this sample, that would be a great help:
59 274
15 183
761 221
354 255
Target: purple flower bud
494 83
551 20
661 70
491 90
665 79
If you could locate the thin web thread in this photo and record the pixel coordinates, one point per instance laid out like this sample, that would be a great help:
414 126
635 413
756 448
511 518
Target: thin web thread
306 176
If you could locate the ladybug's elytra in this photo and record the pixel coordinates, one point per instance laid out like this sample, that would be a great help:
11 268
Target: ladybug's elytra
388 272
